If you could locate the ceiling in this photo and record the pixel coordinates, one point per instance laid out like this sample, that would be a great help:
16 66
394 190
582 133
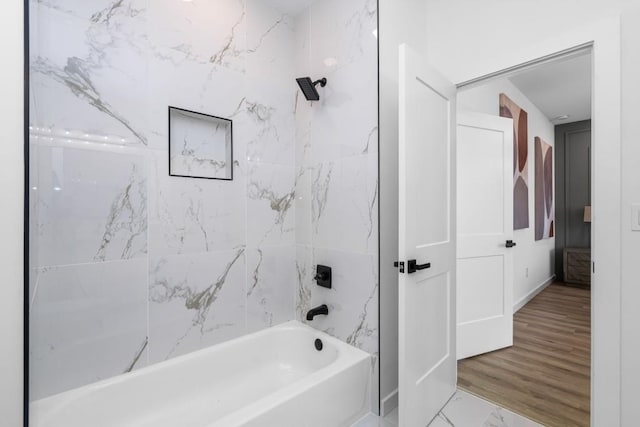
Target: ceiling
559 88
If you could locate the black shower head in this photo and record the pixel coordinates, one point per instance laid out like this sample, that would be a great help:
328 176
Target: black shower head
309 88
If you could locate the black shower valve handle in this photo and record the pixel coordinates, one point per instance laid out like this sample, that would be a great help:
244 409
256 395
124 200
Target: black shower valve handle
323 276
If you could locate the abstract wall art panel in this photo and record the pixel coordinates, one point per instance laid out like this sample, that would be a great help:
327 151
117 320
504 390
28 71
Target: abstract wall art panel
544 189
510 109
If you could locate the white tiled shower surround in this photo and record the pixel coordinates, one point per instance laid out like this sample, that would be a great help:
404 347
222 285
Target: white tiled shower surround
130 266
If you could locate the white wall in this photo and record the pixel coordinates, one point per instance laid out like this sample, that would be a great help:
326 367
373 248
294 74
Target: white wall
468 39
401 21
533 261
630 292
11 215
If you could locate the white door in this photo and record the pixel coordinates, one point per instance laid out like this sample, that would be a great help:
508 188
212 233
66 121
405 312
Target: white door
485 226
427 357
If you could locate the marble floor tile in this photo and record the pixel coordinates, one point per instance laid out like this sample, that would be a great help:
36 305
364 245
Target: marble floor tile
463 410
501 417
392 417
372 420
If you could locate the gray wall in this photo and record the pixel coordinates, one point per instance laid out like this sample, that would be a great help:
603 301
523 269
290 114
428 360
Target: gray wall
573 188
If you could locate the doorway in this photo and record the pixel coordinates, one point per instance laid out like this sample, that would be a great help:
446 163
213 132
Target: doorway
604 37
524 325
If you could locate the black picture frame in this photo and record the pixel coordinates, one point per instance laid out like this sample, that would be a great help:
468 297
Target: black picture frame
205 116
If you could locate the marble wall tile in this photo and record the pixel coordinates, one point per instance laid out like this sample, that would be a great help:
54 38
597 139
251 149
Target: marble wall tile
340 127
96 72
303 206
344 204
353 299
270 45
341 33
196 262
193 215
92 205
88 322
270 205
94 9
270 130
208 33
337 163
195 301
271 284
270 84
196 61
305 271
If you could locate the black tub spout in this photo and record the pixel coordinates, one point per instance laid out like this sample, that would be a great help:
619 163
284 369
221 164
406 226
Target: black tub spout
321 309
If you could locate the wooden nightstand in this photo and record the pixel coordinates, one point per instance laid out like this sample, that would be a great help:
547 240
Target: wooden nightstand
577 266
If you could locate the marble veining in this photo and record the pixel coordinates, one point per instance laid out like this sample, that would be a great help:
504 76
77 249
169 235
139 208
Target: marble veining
271 286
496 419
138 356
363 329
230 47
128 215
283 19
271 194
195 301
372 213
280 204
192 159
303 281
104 16
88 68
320 191
256 273
373 136
77 78
198 301
361 20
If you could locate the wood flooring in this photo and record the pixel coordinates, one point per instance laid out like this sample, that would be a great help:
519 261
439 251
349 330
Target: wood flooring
545 376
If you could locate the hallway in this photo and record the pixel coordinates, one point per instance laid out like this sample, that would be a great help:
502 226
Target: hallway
545 376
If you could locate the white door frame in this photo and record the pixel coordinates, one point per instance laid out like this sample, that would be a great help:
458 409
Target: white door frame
606 199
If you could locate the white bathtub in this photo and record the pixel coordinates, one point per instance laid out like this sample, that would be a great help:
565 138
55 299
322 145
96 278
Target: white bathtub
274 377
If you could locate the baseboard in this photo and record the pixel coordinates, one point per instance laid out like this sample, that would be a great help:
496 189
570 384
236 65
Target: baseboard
528 297
389 403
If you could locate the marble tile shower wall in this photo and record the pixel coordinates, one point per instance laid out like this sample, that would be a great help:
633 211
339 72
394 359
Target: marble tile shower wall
337 171
131 266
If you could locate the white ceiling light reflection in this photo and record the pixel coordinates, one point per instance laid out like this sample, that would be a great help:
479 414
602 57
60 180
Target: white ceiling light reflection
330 62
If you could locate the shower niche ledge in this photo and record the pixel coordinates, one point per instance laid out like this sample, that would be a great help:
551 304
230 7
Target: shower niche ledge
200 145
